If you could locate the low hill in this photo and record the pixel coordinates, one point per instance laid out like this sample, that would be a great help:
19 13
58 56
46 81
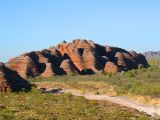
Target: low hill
152 54
77 57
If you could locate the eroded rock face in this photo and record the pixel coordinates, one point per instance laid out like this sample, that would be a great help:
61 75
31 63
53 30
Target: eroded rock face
25 66
69 68
120 59
11 81
48 70
77 57
110 67
90 60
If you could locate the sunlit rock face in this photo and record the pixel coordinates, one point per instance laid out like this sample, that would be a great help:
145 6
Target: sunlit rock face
110 67
68 67
11 81
48 70
78 57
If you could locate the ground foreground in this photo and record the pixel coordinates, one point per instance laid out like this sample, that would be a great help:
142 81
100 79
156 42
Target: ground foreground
141 84
41 106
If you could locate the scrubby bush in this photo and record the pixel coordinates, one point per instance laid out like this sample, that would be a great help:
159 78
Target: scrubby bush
141 81
39 106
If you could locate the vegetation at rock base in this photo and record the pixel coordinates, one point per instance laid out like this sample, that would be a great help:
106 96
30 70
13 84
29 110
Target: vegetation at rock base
142 81
35 105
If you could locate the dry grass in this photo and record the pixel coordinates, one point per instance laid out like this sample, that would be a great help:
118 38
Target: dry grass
85 87
141 84
145 99
35 105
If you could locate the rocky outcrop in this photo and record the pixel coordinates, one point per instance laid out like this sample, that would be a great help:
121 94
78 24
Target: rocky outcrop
11 81
70 51
110 67
69 68
25 66
48 70
82 53
77 57
120 59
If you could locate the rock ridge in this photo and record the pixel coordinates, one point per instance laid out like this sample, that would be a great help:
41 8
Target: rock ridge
77 57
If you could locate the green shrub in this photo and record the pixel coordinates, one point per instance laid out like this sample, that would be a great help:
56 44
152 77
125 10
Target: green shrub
39 106
138 81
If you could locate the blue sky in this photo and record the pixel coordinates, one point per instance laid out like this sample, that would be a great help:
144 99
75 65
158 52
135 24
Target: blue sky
27 25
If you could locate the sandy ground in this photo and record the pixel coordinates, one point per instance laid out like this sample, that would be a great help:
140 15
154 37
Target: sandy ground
120 100
153 110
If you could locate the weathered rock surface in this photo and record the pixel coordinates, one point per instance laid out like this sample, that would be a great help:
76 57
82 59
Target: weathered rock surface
69 68
77 57
25 66
70 51
48 70
11 81
110 67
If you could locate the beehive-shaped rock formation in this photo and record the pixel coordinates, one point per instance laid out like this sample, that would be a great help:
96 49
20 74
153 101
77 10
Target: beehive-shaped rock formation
68 67
77 57
11 81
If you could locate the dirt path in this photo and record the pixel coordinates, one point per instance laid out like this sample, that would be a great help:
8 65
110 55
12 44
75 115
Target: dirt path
123 101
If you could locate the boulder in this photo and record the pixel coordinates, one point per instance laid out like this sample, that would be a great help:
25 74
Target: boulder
70 51
110 67
69 68
84 44
54 52
24 65
41 57
82 53
55 56
139 59
90 60
130 61
11 81
108 49
48 70
134 54
120 59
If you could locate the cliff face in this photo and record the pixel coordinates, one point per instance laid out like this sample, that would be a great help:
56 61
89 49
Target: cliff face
11 81
77 57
